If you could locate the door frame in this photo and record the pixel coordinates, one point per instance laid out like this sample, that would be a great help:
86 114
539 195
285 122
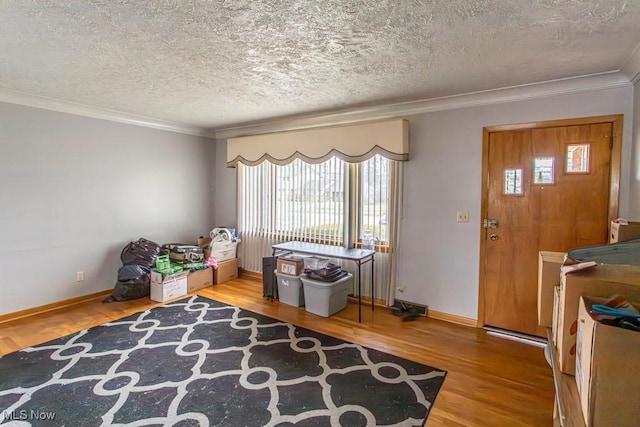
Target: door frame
614 179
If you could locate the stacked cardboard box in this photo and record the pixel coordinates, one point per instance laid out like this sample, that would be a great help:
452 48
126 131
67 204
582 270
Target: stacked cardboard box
624 232
607 370
598 281
165 287
198 279
606 366
223 250
290 264
549 264
226 271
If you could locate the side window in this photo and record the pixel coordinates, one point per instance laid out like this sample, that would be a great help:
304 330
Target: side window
374 184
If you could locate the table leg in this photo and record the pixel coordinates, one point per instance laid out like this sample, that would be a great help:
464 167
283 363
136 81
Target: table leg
359 292
373 285
273 280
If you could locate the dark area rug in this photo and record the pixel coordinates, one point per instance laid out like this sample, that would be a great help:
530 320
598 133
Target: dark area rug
198 362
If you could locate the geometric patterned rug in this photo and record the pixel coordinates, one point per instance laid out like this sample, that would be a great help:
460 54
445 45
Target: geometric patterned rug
199 362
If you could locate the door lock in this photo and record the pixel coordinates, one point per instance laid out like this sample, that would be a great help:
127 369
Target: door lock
490 223
494 237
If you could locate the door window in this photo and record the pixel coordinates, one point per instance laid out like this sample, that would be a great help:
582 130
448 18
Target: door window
513 182
578 158
543 170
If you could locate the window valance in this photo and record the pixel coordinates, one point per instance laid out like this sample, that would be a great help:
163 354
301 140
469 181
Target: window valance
351 143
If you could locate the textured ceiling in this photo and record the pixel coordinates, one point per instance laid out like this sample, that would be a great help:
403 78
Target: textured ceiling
219 63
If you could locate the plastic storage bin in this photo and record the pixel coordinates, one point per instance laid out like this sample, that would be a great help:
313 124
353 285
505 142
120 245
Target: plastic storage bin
326 298
290 290
315 262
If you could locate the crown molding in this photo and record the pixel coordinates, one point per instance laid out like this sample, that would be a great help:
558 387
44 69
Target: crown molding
631 68
53 104
625 77
591 82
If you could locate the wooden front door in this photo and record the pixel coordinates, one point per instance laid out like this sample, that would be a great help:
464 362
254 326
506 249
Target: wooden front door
549 187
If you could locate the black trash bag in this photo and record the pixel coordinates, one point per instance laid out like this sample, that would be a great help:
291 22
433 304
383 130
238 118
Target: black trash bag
131 289
320 276
141 252
132 272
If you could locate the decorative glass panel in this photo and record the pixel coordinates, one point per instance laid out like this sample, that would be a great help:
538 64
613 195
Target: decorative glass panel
577 158
513 181
543 170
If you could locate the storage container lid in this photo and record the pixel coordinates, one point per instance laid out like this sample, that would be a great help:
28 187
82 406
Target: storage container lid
322 284
316 262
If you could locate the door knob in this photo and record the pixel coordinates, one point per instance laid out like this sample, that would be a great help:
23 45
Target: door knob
494 237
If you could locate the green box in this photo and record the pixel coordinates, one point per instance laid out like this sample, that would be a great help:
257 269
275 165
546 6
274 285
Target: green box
162 262
171 270
189 265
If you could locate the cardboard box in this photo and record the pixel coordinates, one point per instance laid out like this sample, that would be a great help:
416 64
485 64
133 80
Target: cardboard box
556 315
203 241
171 287
158 277
198 279
549 264
622 233
290 264
603 281
607 371
223 251
226 271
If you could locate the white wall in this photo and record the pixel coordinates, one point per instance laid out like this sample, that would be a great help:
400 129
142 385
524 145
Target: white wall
634 190
439 258
67 203
225 203
75 190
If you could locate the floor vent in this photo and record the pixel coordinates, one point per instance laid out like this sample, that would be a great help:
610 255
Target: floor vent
408 310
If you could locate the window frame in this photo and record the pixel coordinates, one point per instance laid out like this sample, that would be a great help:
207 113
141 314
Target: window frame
352 206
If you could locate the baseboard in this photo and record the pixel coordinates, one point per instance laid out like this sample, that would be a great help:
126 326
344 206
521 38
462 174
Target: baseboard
367 300
452 318
423 310
53 306
250 275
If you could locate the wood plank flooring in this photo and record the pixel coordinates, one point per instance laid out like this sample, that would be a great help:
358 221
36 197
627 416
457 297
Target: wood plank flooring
490 382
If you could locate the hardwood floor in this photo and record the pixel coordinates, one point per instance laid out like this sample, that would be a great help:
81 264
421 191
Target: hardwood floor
490 381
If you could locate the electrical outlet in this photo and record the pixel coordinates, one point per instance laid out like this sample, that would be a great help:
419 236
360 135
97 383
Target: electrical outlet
462 217
79 276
